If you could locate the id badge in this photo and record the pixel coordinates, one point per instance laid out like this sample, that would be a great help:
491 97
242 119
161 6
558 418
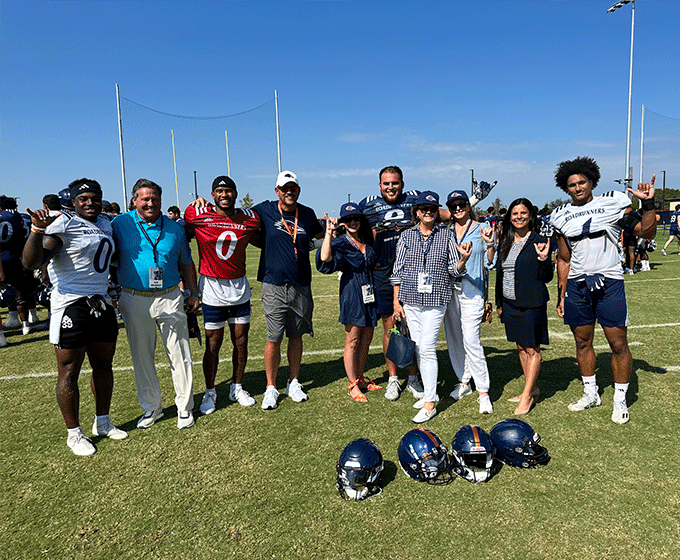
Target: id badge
424 283
155 277
367 293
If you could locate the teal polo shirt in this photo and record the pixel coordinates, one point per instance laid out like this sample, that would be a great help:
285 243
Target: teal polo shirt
136 252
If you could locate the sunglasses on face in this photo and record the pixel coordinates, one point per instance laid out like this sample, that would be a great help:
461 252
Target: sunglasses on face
457 206
428 209
286 189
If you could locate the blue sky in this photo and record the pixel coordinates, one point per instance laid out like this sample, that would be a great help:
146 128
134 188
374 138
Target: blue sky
508 88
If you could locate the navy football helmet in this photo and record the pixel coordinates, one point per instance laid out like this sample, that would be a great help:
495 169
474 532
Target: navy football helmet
65 198
7 295
517 444
43 294
359 469
424 458
473 453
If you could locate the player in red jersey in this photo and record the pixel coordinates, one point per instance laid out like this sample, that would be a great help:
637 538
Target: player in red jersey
223 232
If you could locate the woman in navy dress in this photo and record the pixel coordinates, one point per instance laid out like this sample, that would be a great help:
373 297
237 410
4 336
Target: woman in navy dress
352 254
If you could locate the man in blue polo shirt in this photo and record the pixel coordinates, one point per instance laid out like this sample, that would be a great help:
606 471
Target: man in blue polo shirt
153 257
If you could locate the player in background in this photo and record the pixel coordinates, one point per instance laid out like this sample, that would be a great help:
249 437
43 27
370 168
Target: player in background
79 245
590 276
674 230
223 232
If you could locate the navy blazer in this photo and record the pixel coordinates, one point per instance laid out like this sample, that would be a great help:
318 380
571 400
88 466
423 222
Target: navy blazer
531 276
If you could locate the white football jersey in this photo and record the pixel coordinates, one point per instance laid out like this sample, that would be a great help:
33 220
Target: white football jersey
593 234
81 266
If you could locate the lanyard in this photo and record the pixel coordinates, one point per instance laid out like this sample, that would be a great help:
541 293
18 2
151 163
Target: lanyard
428 244
293 234
455 237
153 245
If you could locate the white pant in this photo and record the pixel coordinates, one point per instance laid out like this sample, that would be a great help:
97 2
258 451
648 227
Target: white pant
424 324
462 323
141 315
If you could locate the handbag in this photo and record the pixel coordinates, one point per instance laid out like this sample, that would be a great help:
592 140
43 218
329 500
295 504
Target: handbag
400 348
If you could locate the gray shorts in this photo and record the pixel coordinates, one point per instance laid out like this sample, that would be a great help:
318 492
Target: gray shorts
287 308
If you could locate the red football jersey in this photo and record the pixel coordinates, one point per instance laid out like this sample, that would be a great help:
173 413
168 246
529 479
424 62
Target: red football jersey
222 240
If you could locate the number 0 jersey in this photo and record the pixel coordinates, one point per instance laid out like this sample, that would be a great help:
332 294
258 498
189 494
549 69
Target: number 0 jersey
81 265
388 221
222 240
593 234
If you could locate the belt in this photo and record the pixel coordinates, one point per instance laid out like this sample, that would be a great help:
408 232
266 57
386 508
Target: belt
148 293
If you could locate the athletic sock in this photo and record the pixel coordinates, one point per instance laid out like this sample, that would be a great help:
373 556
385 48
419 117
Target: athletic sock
236 386
589 384
33 315
102 419
74 431
620 390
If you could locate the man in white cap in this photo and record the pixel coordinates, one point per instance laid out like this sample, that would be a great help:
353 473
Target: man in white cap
287 230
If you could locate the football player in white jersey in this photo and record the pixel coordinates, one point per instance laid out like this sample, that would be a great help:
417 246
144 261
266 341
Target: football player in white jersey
590 276
79 245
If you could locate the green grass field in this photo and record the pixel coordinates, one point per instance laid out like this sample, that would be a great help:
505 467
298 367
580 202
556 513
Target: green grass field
261 484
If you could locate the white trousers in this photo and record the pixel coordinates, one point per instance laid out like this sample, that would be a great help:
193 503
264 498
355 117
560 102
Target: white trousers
462 323
142 314
424 324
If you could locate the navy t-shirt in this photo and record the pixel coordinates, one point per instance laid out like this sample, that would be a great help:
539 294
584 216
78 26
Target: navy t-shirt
12 234
279 263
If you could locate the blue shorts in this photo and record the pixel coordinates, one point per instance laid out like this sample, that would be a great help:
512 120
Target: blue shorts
215 317
384 291
608 305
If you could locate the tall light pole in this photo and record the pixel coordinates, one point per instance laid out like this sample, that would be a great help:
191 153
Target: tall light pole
628 182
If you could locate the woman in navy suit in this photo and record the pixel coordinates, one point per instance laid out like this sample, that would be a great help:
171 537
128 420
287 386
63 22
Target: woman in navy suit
523 270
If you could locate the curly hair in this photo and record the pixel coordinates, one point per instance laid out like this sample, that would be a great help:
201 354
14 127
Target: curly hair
580 166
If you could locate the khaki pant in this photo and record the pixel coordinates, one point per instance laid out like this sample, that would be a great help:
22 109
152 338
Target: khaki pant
141 315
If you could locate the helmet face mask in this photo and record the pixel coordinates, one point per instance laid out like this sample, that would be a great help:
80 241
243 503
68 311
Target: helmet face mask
517 444
424 458
358 470
473 454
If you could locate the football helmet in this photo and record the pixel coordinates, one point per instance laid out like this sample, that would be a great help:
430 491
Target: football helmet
65 198
517 444
359 469
43 294
424 458
7 295
473 453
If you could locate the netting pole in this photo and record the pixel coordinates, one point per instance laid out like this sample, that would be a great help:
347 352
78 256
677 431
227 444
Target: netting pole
174 163
642 140
122 156
226 140
278 131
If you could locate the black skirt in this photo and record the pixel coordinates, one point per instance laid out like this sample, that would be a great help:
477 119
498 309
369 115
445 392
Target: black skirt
525 325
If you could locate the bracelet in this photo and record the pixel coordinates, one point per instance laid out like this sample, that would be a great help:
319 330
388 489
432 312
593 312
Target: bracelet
542 260
647 204
490 245
195 294
36 229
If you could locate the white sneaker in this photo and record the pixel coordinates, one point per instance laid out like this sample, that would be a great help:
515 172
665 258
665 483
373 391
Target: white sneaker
80 444
108 430
209 402
12 324
420 403
393 389
663 252
415 387
241 396
185 420
271 398
25 329
295 392
424 415
149 419
3 340
588 400
620 413
461 390
485 406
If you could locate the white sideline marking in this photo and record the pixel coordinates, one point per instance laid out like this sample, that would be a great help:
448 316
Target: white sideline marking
340 351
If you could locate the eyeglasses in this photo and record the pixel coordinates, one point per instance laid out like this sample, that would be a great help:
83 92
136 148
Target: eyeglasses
286 189
428 209
454 206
